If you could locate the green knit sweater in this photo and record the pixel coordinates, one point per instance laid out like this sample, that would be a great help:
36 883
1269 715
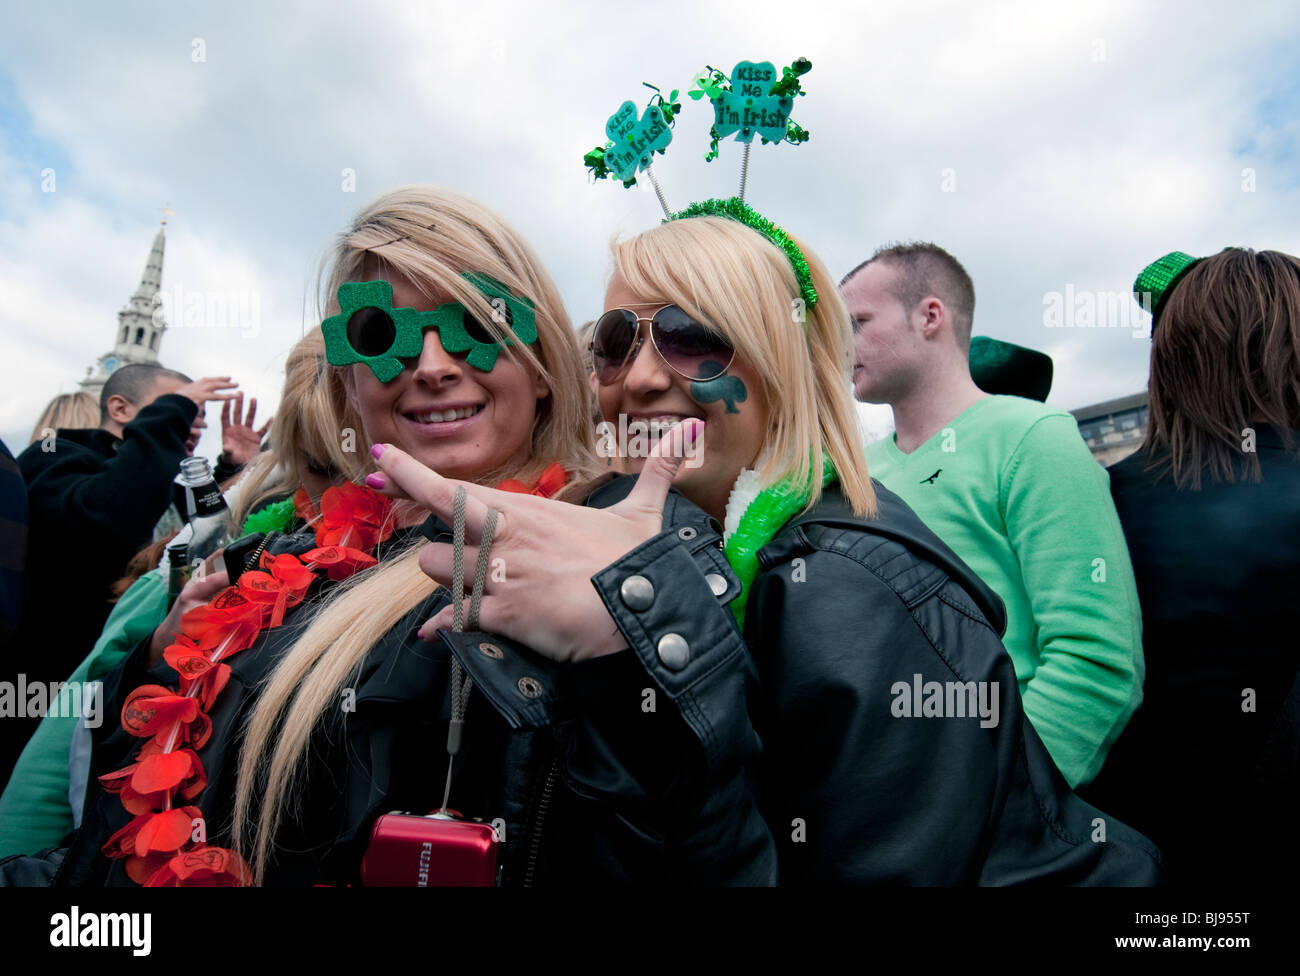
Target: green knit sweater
35 812
1011 487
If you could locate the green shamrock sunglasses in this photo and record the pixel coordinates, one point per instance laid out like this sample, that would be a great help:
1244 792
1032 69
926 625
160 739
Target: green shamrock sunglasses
369 330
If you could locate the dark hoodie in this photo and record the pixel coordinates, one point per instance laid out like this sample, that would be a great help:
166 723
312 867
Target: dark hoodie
94 500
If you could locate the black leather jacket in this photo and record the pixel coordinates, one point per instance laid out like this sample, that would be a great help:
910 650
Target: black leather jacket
845 619
588 778
692 758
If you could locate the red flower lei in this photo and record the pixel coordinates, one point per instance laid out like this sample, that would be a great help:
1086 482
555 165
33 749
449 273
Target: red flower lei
552 480
165 844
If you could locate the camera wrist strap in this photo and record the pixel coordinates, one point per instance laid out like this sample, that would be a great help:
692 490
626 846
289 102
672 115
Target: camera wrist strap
461 684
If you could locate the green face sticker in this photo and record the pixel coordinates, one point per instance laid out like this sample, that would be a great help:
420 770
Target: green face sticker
368 329
750 107
635 140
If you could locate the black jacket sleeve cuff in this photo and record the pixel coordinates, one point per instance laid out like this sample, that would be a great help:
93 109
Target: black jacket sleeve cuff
522 686
171 406
669 602
225 469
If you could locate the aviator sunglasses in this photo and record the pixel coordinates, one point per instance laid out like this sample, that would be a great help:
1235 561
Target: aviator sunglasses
688 348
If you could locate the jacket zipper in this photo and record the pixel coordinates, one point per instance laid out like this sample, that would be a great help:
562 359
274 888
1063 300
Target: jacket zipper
544 801
251 561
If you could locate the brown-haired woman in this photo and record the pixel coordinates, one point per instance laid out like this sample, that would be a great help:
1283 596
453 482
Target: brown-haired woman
1211 509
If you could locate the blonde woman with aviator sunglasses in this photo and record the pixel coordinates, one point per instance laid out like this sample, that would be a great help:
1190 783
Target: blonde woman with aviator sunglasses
844 639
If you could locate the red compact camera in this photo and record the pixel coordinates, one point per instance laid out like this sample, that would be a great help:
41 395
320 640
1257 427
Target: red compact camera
436 850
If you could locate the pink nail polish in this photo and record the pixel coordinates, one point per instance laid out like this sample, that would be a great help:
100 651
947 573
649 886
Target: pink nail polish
377 481
377 450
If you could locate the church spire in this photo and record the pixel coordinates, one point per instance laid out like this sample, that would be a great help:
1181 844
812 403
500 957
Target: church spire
144 301
140 324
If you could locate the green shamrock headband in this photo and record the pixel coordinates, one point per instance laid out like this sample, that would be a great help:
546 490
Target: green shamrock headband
736 209
1154 283
632 143
368 329
755 100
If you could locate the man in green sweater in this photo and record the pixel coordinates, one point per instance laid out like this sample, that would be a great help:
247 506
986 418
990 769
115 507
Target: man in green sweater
1010 486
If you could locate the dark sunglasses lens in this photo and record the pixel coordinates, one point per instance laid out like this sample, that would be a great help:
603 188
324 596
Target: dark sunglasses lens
477 331
689 347
371 331
611 342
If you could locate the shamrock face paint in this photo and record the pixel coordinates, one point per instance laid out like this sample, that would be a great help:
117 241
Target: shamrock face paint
729 390
368 329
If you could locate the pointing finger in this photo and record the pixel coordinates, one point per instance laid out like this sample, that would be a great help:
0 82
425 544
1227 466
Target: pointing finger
434 492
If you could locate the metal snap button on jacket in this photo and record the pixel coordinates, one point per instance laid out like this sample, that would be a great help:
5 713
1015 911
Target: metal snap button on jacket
491 650
674 652
637 592
686 533
717 583
530 687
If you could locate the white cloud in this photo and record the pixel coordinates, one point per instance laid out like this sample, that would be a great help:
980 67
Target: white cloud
1084 142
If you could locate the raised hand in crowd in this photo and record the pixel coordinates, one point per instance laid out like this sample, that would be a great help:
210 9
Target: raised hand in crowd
208 388
240 442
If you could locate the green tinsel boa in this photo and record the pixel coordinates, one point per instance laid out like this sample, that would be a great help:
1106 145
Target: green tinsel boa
274 517
763 519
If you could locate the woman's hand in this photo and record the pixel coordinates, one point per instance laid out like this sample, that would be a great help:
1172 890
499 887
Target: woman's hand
196 593
544 552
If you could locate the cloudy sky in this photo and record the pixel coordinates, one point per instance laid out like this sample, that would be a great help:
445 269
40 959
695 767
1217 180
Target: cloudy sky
1054 148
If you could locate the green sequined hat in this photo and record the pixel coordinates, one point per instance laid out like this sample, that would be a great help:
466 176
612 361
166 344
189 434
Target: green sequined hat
736 209
1158 278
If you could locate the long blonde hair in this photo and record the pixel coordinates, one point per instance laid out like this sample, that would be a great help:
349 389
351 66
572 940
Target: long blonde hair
429 236
741 284
73 410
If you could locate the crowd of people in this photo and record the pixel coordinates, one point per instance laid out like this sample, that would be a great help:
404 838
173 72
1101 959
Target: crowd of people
765 654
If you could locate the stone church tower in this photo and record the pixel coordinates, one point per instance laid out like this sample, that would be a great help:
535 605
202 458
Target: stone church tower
140 324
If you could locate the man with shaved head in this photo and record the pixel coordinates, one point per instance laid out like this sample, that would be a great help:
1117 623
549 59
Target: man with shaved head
94 497
1010 485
